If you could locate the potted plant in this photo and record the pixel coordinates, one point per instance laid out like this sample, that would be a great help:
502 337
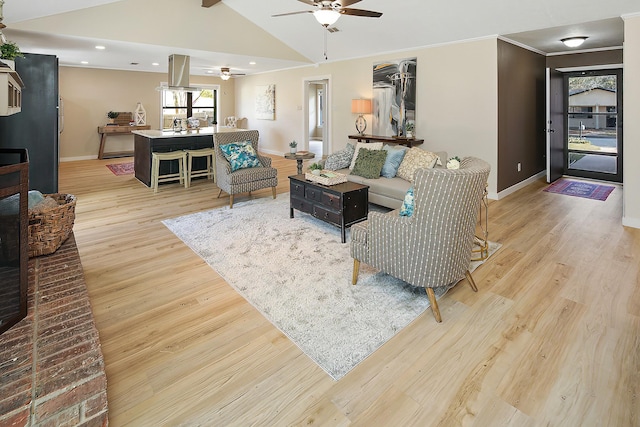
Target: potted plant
112 115
315 168
9 51
409 127
292 146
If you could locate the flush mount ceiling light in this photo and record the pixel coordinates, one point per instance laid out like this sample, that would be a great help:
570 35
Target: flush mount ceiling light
225 73
573 41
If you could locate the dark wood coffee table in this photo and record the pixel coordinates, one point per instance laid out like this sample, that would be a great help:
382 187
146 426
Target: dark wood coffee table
342 204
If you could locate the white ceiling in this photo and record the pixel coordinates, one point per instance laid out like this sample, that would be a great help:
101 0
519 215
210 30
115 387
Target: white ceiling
148 31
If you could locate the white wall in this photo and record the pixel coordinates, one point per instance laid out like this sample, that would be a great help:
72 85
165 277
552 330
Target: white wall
631 123
451 78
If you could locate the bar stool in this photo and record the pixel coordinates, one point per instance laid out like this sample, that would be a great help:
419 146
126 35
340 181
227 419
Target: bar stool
156 178
209 172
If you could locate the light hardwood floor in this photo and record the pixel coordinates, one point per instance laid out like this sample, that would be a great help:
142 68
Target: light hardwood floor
551 338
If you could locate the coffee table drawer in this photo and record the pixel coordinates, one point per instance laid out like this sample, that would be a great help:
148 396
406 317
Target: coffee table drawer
301 204
297 189
327 215
332 201
313 193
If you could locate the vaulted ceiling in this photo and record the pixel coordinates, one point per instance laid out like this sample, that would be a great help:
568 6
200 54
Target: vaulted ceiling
234 33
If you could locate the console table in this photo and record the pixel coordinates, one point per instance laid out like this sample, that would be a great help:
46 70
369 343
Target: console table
108 130
409 142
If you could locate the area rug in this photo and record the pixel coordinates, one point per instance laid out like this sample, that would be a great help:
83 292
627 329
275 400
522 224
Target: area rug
583 189
298 275
121 168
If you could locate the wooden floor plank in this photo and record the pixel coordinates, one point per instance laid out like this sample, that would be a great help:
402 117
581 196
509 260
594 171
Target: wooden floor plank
551 337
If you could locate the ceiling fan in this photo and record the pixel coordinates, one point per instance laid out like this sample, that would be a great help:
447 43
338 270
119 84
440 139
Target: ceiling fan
327 12
209 3
226 74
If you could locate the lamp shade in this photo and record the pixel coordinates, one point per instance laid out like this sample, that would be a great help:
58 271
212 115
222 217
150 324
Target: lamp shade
361 106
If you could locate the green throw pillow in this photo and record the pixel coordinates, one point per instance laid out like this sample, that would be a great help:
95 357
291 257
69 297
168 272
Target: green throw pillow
369 163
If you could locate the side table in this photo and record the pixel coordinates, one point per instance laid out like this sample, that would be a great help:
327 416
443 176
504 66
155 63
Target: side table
299 157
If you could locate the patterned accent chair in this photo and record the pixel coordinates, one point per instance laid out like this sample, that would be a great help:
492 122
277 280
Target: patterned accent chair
242 180
432 248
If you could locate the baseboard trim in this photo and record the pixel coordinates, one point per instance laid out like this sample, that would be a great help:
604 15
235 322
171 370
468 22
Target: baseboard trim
73 159
631 222
504 193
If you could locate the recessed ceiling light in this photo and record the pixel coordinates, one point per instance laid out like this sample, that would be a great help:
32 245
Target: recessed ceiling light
100 47
209 71
84 62
573 41
252 63
155 64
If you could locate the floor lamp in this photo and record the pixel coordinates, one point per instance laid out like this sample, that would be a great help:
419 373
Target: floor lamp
360 107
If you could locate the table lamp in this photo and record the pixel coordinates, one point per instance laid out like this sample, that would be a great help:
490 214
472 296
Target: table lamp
360 107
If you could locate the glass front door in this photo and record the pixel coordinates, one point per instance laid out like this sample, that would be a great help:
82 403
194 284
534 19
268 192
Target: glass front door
594 146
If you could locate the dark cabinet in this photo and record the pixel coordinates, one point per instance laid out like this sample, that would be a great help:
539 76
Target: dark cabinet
341 204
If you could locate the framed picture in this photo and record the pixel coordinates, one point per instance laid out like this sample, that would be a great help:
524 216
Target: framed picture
266 102
394 96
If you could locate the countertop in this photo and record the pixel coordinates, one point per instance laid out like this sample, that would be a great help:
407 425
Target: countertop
155 134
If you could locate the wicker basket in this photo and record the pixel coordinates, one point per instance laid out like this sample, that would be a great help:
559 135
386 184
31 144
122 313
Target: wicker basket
49 228
336 178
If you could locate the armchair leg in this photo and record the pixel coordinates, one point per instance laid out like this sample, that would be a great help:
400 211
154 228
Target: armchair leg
434 304
356 270
273 191
472 283
219 193
230 201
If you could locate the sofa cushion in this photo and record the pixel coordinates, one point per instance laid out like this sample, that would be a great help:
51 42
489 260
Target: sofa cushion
394 158
416 159
340 159
407 203
240 155
369 163
367 145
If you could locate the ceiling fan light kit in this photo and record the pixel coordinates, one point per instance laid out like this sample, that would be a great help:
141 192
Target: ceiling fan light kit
326 17
573 41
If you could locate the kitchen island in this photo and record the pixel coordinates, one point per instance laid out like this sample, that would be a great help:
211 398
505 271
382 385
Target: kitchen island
149 141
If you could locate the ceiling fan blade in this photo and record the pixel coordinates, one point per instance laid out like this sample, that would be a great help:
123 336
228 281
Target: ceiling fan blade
292 13
347 3
309 2
209 3
361 12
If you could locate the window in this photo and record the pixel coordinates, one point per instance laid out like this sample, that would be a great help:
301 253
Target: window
179 104
579 112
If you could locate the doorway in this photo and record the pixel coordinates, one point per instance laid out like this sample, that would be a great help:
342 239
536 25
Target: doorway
594 126
316 116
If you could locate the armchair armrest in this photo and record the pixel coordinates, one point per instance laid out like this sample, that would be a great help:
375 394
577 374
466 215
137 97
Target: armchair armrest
266 161
389 235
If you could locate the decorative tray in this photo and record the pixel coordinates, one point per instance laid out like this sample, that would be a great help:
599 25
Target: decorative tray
326 177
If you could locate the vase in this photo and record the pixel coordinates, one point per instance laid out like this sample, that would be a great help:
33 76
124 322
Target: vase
316 172
292 150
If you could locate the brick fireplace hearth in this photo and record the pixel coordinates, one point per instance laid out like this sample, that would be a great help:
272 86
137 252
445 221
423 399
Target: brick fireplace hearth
51 365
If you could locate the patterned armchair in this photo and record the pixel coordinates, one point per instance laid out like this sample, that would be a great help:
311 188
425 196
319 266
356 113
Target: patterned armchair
247 179
432 248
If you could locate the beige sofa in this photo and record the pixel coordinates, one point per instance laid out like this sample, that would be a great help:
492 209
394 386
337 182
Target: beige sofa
388 192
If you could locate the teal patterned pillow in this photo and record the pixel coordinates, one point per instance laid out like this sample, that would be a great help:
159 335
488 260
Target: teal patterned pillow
240 155
407 204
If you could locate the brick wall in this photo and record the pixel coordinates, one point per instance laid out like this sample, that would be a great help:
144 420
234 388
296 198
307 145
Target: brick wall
51 366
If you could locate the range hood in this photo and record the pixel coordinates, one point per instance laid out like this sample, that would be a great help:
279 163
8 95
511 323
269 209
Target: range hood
179 74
